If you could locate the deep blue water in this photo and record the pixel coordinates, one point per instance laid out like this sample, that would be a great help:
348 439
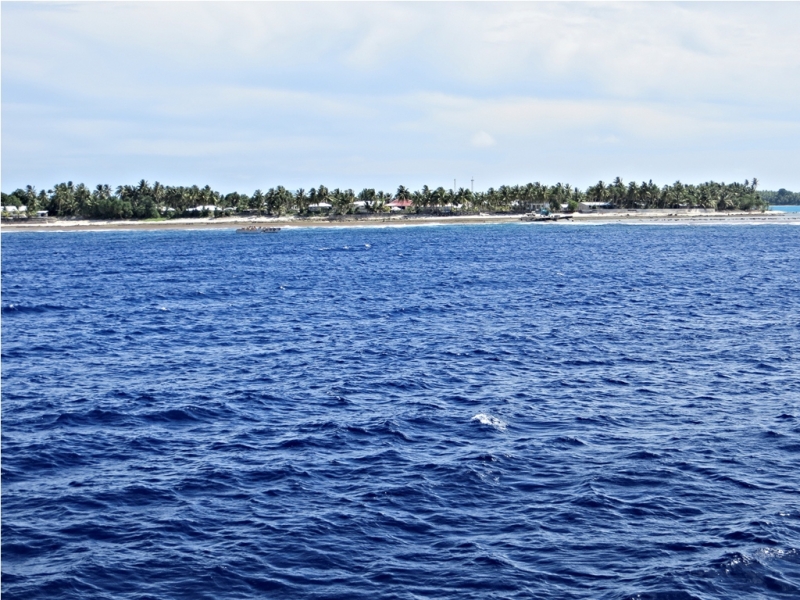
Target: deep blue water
511 411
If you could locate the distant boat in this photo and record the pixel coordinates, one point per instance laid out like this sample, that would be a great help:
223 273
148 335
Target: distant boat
254 229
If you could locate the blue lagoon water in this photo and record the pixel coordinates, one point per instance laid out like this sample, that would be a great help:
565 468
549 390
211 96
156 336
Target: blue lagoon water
511 411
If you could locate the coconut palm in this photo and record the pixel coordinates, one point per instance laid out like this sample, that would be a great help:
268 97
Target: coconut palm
257 201
370 199
342 201
597 193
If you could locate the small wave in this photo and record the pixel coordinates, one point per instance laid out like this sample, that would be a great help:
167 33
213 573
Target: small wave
185 414
95 416
566 440
485 458
643 455
757 568
485 419
665 595
771 434
359 248
33 308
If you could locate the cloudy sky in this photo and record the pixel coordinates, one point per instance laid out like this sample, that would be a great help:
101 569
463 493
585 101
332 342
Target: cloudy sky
252 95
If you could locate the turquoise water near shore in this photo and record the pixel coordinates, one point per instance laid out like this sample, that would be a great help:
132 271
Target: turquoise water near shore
786 208
499 411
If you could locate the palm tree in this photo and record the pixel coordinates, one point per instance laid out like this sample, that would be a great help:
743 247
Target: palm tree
143 188
556 196
62 199
725 202
158 194
466 198
676 195
631 195
438 198
257 201
617 192
597 193
273 200
383 198
323 195
344 201
423 199
30 198
83 200
367 196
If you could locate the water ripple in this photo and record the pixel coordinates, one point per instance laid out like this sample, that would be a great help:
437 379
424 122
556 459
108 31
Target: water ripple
451 412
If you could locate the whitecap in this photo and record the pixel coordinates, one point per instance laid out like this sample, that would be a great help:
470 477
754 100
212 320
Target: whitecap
485 419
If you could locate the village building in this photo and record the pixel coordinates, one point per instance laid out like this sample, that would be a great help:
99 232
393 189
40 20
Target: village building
399 205
592 206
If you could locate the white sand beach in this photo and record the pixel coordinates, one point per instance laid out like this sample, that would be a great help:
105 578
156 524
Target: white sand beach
626 217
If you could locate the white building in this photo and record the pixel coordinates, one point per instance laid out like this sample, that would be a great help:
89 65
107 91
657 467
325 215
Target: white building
15 210
592 206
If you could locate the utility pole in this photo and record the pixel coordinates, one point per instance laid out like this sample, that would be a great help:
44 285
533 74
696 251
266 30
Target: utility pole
472 185
454 186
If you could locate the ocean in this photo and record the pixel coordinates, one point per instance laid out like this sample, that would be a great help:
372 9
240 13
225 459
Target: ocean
488 411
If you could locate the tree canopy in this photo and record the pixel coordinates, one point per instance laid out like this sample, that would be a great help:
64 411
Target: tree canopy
782 197
145 201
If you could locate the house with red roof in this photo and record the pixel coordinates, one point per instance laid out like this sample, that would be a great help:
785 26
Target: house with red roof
398 205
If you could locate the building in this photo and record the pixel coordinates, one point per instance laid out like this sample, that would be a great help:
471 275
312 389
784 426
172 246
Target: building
14 211
398 205
592 206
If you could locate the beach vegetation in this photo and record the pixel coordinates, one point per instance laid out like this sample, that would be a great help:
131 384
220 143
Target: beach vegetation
782 197
157 201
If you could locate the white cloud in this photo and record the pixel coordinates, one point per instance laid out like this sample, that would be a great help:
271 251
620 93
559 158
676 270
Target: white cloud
236 91
483 140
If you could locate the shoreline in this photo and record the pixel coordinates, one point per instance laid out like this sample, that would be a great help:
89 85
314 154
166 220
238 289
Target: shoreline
631 218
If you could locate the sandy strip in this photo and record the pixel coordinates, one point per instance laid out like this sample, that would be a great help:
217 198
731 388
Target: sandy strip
292 222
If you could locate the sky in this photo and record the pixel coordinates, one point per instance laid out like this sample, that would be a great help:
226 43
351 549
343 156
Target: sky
245 95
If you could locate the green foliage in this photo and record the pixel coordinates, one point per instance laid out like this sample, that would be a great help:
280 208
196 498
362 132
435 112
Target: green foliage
782 197
342 201
146 201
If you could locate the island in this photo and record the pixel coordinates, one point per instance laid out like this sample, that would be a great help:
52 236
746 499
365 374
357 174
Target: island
146 205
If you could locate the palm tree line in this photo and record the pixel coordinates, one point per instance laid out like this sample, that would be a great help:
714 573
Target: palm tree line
150 201
782 197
